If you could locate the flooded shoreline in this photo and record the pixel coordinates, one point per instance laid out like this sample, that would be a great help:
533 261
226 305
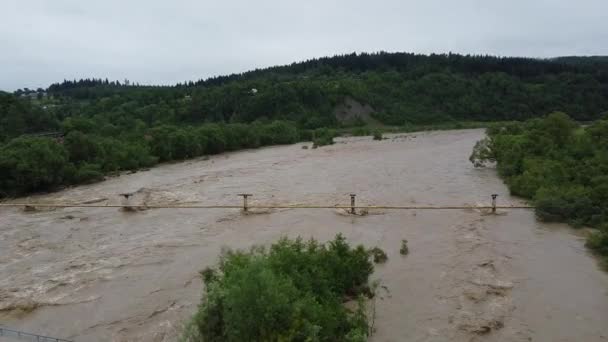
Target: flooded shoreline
100 274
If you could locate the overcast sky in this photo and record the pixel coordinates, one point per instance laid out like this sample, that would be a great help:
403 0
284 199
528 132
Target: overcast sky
163 42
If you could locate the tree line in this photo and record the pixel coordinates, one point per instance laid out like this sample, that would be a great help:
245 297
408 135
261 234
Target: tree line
117 125
86 154
558 164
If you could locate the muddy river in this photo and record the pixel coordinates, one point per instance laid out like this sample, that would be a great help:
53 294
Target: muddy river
106 275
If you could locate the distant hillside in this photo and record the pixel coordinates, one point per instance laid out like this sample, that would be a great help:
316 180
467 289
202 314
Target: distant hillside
594 61
19 116
108 126
403 88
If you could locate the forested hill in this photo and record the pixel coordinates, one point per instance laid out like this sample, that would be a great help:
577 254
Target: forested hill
402 88
118 125
600 62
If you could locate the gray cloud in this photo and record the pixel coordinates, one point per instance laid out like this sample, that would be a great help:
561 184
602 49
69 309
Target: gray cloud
162 42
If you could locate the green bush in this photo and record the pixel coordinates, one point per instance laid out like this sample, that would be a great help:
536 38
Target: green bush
378 255
323 136
88 173
279 133
377 135
598 241
81 147
404 250
361 131
32 164
306 134
29 164
240 136
482 153
212 138
293 291
322 141
557 164
565 204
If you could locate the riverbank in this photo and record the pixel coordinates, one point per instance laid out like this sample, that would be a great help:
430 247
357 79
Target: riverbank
103 274
38 165
560 166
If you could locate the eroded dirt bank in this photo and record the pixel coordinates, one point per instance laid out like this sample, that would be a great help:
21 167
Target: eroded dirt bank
104 274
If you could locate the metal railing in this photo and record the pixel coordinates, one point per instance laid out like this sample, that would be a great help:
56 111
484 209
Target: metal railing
32 337
352 209
246 206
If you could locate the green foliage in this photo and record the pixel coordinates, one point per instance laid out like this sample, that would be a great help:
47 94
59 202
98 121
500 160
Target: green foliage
598 241
403 89
404 250
20 116
378 255
482 153
559 127
294 291
30 164
361 131
559 165
323 136
212 138
111 126
377 135
565 203
87 173
81 147
279 133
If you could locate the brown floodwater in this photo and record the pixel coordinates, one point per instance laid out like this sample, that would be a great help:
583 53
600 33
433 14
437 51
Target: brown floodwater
101 274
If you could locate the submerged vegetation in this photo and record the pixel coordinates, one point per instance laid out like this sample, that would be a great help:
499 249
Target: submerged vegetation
377 135
379 256
110 126
558 164
323 136
292 291
404 250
